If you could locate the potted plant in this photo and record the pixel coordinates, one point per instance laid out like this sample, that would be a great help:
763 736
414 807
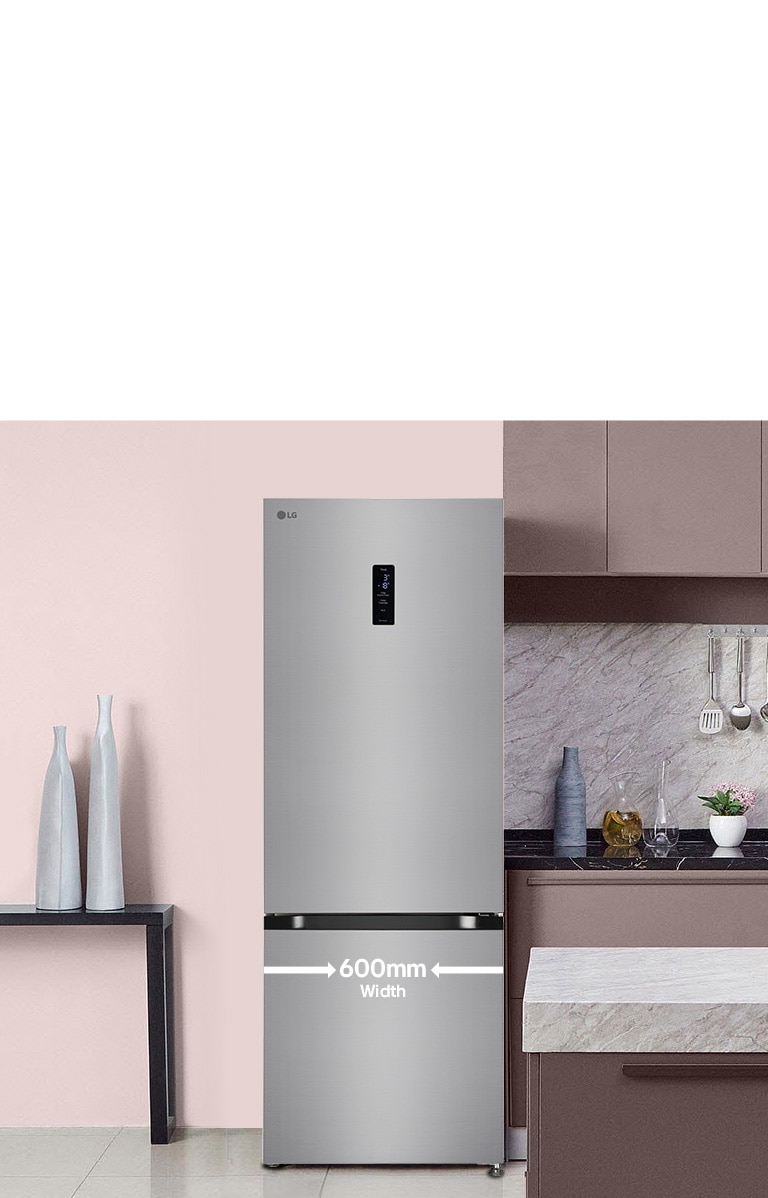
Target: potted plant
729 804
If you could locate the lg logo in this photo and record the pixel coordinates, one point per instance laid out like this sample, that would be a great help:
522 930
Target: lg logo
286 515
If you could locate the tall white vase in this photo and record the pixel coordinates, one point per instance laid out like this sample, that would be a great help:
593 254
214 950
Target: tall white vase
57 883
104 888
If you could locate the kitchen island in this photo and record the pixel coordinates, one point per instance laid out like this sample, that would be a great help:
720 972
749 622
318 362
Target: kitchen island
647 1072
636 902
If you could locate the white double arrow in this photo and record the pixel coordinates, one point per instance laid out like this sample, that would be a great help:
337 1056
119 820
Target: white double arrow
326 969
439 969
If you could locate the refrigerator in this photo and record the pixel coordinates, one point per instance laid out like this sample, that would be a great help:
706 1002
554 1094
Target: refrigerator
383 767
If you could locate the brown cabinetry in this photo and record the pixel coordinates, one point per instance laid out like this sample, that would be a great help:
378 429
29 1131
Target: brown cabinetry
764 440
642 497
684 497
605 1124
560 909
554 496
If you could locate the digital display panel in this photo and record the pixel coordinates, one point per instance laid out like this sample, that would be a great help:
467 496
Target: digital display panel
383 594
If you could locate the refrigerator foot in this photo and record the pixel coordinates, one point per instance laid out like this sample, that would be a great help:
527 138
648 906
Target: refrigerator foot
496 1171
266 1166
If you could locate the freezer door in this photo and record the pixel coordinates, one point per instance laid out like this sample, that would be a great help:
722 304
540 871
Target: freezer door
383 705
401 1068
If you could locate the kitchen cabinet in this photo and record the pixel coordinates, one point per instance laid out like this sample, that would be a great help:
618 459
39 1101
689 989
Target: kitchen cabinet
690 1125
548 908
641 1063
637 497
684 497
764 441
554 496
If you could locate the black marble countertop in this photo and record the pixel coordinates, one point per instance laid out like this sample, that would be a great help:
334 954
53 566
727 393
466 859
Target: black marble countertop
532 848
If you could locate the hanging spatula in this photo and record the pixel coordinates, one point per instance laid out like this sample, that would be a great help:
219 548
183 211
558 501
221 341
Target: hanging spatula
711 718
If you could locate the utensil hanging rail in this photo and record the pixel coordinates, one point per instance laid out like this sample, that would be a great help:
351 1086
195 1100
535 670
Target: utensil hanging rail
738 630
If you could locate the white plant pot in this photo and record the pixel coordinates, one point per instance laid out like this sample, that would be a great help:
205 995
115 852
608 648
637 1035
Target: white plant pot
728 830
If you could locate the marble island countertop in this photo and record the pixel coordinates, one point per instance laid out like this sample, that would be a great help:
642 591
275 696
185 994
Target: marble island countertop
532 848
646 1000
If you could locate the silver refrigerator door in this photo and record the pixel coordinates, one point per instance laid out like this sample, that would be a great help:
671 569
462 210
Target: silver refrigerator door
413 1076
383 741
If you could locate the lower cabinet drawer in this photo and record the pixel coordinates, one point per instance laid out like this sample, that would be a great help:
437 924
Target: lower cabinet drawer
643 1125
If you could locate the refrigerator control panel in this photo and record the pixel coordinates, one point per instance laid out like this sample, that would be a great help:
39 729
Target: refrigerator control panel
383 594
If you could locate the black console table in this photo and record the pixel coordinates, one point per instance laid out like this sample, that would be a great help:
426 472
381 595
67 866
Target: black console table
158 920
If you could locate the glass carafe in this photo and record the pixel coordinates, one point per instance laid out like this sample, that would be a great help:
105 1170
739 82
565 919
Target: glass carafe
661 829
623 824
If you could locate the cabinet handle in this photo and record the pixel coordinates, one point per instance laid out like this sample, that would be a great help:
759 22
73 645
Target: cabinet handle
712 1072
647 877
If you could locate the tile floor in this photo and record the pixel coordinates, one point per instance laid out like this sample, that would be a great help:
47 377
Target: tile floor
119 1162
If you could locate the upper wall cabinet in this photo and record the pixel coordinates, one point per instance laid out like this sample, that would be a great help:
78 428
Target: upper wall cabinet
765 496
684 497
655 497
554 496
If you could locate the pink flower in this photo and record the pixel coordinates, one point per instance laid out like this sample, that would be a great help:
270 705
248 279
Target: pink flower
743 795
738 794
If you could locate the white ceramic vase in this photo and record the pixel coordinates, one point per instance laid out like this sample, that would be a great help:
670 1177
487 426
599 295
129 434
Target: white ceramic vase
104 882
728 830
57 883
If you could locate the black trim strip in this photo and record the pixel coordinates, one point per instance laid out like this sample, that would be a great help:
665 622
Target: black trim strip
383 922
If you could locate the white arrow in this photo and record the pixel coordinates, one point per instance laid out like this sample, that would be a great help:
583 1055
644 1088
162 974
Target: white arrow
438 969
326 969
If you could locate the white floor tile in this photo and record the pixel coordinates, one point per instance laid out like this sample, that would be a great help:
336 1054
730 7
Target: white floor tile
38 1187
210 1163
294 1183
45 1155
406 1182
193 1152
59 1131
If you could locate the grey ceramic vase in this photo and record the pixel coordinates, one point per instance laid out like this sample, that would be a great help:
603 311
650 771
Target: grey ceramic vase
57 882
104 882
570 803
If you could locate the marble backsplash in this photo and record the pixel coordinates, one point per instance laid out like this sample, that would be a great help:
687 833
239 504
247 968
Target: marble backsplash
626 695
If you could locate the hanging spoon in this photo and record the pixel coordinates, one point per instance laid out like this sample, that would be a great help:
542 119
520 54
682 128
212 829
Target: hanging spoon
741 712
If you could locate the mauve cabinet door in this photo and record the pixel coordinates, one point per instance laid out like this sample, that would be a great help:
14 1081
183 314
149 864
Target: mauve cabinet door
691 1126
554 496
765 499
684 497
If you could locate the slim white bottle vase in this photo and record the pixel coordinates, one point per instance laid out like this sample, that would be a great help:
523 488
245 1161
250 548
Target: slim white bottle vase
57 882
104 882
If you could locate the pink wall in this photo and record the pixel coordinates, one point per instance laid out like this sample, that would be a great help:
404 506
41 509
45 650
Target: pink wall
131 563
